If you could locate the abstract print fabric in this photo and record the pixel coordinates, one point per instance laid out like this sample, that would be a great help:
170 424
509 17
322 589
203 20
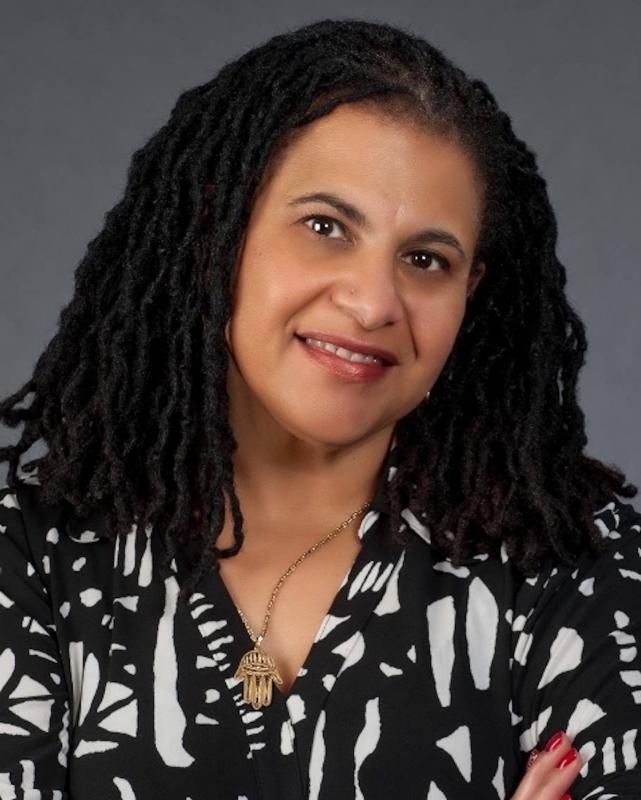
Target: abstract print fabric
425 679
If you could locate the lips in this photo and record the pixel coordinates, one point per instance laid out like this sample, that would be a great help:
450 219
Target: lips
346 370
388 358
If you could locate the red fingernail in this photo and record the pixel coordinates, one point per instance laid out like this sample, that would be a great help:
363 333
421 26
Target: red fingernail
566 797
568 758
554 742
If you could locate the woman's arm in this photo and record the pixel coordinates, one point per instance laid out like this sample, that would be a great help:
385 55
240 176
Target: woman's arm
577 660
34 704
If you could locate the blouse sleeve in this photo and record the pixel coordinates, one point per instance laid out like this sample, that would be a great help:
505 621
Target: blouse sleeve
577 660
34 706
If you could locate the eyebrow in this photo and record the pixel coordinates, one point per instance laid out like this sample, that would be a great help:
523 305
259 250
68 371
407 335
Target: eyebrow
426 236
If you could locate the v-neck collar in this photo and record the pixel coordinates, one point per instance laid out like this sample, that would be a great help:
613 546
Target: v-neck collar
287 724
341 607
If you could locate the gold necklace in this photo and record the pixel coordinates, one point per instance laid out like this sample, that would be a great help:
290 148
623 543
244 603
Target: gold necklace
257 668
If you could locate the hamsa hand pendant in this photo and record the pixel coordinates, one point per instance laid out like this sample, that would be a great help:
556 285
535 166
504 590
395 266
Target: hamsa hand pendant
257 670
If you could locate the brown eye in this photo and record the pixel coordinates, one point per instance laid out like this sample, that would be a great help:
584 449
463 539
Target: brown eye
424 257
321 225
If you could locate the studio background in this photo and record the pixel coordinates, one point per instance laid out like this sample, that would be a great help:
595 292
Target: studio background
84 84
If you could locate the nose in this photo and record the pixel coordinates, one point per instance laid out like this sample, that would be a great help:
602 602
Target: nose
370 295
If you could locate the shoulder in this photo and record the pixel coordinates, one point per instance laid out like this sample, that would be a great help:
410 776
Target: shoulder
613 577
55 567
35 533
38 517
567 613
13 539
619 564
24 568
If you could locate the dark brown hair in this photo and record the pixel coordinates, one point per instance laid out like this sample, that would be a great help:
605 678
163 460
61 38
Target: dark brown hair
130 394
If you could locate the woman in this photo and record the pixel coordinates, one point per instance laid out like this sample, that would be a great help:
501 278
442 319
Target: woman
315 520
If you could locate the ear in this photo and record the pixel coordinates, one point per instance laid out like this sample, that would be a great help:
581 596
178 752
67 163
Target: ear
477 271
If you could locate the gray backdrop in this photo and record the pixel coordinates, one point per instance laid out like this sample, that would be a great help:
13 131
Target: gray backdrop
83 84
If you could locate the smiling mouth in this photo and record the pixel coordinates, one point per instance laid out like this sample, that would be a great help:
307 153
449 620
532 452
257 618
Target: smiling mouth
342 352
345 369
351 356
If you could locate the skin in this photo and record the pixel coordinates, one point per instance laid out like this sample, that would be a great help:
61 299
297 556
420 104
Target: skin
307 439
544 780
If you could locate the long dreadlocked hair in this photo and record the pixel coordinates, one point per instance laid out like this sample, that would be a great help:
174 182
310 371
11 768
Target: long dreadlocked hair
130 394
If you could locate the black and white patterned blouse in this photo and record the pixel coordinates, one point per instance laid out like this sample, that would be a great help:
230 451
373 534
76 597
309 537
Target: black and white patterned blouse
424 680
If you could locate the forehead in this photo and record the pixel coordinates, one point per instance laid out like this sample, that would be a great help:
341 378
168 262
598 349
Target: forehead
391 163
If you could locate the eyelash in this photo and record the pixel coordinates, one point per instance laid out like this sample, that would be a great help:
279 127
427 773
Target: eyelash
436 256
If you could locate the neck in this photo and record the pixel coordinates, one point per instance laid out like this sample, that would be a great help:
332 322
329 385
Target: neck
280 476
280 479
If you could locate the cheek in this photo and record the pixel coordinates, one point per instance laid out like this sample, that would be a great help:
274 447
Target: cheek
436 327
269 289
256 282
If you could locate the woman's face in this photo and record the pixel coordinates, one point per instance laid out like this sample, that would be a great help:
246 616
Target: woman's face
367 274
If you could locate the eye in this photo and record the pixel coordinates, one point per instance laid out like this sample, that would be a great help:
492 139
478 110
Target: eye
325 222
429 256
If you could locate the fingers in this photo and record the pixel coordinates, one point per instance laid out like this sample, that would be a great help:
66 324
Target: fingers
551 771
533 756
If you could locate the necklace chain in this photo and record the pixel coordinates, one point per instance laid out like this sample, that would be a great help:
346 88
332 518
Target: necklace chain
257 668
258 639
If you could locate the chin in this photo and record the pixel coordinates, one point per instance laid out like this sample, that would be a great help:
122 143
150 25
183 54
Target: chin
336 433
328 438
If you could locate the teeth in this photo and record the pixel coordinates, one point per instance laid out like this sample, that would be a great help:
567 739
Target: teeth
341 352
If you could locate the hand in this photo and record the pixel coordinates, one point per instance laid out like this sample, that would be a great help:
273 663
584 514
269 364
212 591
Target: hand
544 779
